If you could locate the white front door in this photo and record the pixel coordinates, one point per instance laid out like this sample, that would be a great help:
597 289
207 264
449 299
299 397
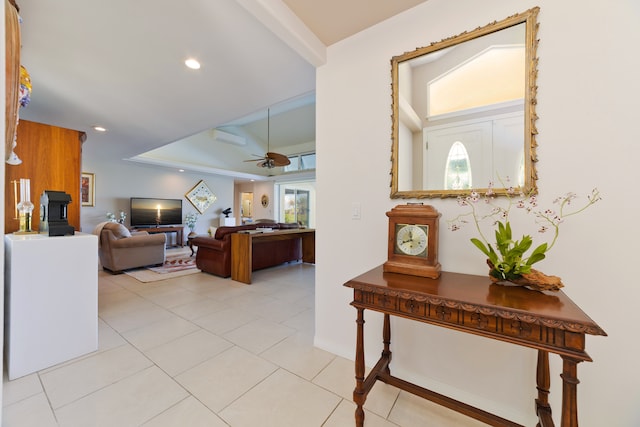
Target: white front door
477 140
495 146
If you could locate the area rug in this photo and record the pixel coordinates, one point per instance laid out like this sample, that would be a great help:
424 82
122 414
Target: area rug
176 264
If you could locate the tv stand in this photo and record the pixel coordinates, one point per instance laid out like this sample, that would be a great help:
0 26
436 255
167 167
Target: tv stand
178 229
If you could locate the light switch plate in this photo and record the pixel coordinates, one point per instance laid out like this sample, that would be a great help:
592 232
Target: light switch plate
356 211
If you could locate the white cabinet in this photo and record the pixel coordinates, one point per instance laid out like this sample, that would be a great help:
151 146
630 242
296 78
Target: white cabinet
225 221
51 300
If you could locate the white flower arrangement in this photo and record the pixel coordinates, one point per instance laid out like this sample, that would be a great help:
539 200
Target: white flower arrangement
508 257
190 219
112 217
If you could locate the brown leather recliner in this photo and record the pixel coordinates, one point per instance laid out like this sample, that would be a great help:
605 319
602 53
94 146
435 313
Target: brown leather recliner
119 249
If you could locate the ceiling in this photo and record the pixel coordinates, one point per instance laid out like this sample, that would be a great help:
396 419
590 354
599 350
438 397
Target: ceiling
120 64
334 20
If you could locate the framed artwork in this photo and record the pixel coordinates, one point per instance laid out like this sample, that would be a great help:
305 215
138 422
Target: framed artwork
201 197
88 189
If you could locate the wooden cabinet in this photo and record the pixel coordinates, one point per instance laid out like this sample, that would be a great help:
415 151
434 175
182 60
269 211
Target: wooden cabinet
51 158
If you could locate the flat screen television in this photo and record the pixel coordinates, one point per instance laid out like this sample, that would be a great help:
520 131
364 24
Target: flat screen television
149 212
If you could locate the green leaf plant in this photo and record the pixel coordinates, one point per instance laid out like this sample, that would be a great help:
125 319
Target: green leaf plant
190 219
507 258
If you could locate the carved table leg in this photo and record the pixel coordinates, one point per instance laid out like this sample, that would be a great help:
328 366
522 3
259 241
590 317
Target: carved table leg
386 340
359 393
569 392
543 381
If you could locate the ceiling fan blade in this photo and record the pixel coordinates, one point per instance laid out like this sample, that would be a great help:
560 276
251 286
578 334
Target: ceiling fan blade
278 159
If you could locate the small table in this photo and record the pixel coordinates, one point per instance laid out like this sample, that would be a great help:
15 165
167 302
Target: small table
190 238
546 321
168 229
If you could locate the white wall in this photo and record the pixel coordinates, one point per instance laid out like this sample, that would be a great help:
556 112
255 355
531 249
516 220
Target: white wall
258 188
259 211
588 90
116 182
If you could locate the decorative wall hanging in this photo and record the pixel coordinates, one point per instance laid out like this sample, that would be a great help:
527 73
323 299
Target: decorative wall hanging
88 189
264 200
12 80
201 197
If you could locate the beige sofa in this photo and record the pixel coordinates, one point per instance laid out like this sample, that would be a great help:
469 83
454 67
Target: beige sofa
119 249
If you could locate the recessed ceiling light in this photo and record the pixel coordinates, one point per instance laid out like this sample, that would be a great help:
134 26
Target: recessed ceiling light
192 63
98 128
180 170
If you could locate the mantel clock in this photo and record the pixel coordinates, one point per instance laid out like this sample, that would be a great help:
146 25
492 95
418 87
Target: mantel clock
413 241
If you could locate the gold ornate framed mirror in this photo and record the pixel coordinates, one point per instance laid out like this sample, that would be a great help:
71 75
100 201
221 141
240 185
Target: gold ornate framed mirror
463 112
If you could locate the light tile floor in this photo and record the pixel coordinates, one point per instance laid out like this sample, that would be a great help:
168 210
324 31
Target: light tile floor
204 351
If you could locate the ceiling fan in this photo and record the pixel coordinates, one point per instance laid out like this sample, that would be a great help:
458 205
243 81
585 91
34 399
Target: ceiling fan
270 160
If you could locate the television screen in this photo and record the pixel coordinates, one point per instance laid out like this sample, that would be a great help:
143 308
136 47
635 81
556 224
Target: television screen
148 212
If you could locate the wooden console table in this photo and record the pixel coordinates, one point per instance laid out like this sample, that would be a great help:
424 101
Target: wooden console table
242 245
548 322
179 230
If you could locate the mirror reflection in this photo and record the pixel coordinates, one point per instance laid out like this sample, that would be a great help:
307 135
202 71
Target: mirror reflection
463 112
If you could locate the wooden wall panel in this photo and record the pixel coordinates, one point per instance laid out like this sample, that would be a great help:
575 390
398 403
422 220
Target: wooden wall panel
52 160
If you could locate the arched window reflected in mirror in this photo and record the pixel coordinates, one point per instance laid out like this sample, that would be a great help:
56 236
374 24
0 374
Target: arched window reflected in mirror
458 174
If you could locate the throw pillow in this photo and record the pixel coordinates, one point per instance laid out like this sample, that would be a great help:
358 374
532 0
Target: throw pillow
118 230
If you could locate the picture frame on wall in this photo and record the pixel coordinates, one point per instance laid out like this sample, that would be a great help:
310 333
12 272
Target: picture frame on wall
88 189
201 197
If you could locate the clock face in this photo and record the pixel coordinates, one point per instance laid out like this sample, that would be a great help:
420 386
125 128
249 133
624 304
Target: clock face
412 240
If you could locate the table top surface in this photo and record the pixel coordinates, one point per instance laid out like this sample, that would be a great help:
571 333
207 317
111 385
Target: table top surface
45 237
160 228
478 293
276 231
